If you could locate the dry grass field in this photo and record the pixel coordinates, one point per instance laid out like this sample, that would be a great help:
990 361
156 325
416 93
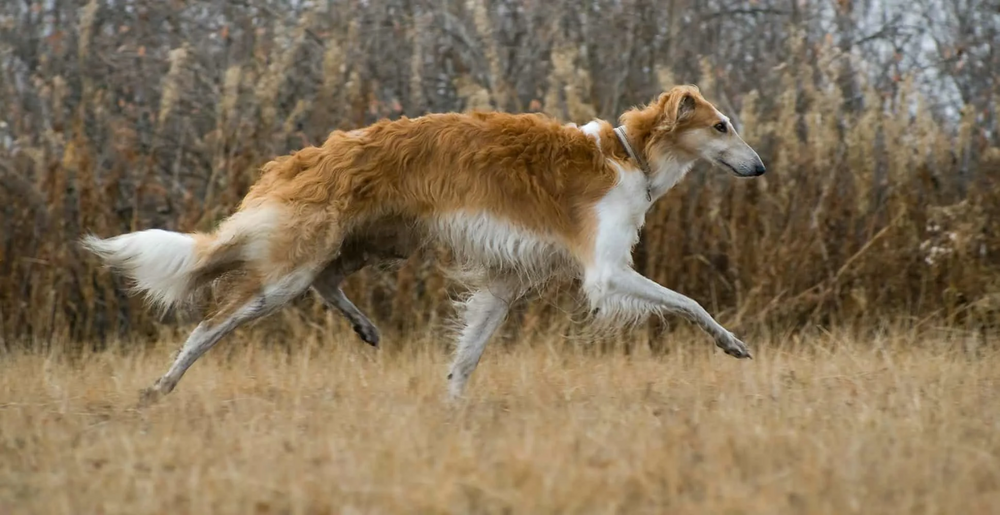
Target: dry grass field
882 202
832 423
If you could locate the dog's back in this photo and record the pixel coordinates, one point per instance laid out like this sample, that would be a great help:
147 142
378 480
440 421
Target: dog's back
506 190
525 166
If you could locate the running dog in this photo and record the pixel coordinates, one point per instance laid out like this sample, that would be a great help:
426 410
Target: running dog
517 198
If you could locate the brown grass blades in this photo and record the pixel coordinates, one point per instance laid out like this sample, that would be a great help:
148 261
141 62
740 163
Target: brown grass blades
830 423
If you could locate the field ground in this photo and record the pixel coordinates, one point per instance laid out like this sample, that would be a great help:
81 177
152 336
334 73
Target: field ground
836 424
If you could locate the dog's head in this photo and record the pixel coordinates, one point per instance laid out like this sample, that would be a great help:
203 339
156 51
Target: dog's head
680 123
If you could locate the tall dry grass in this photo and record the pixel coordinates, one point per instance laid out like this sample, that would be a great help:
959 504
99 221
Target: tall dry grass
877 205
826 423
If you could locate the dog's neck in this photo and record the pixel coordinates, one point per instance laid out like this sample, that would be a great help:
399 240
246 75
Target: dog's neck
623 138
666 173
661 175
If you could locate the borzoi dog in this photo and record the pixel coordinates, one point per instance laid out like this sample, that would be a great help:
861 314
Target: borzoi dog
518 199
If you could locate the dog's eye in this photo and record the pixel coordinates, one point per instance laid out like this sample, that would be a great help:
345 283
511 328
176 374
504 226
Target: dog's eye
721 127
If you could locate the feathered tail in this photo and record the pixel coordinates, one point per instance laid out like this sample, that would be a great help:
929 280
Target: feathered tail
169 267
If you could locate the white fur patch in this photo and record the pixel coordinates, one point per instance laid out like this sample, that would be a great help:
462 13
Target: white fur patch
593 129
481 239
278 293
620 215
254 227
160 262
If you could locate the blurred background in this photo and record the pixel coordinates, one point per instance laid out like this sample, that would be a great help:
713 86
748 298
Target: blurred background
879 122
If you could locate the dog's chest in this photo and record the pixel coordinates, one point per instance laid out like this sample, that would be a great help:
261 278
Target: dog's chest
620 214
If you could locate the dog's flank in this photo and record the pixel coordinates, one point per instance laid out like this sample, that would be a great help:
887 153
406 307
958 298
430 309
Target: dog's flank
519 199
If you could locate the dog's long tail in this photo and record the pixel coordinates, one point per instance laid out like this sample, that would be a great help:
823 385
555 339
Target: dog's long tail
169 267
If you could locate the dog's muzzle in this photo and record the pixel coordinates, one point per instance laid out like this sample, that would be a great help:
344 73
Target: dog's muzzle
746 170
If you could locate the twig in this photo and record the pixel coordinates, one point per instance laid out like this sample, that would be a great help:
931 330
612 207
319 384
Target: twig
831 281
748 12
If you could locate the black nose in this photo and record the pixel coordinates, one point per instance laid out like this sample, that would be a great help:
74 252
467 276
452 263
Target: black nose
759 169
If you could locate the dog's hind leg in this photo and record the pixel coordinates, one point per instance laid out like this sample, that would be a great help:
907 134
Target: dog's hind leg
395 245
249 301
327 285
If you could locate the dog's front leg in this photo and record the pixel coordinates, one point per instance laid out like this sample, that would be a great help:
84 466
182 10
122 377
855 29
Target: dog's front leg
485 310
628 294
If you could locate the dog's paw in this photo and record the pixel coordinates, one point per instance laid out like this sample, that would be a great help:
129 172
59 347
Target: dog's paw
149 396
368 333
731 345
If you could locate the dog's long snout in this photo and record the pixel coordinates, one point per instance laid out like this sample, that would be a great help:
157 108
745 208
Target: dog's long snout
742 159
751 165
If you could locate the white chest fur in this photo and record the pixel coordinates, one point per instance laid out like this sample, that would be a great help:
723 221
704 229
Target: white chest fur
620 216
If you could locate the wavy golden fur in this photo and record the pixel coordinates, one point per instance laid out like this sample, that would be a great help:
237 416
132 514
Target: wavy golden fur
527 169
508 193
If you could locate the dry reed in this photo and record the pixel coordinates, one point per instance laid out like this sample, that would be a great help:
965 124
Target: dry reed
847 228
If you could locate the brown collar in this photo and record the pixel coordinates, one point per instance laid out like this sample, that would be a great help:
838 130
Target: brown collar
623 137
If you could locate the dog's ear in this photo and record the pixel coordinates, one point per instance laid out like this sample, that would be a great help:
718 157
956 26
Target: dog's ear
685 107
676 106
